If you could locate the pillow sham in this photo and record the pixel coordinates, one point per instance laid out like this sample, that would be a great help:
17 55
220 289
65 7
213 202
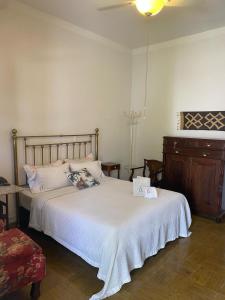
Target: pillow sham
89 157
82 179
31 169
93 167
45 178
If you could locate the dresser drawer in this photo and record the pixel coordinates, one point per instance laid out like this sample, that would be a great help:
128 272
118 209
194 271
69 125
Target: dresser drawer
180 142
196 152
211 144
194 143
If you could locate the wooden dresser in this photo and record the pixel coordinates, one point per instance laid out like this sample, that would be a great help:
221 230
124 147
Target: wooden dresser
195 167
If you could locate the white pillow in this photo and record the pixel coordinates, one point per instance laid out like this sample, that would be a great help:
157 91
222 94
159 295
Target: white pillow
45 178
94 167
89 157
31 169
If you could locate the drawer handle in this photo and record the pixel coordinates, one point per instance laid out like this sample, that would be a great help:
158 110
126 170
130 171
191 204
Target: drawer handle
177 152
204 155
208 145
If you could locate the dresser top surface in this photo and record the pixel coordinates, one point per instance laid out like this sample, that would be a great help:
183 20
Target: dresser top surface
194 138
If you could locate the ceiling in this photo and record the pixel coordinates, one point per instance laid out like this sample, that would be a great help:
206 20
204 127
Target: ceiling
128 28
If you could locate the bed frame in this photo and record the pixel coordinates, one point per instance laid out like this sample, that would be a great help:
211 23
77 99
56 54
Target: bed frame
44 149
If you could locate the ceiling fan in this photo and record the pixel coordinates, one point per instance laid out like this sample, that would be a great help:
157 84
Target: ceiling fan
145 7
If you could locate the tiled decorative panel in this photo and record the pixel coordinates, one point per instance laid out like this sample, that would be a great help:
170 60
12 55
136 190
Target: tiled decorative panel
202 120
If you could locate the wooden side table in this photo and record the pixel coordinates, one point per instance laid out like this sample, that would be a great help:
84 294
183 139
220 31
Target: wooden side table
111 166
4 205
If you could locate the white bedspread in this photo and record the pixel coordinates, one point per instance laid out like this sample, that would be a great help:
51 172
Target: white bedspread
111 229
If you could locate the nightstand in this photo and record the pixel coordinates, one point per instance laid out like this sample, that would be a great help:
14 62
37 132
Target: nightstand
110 166
4 205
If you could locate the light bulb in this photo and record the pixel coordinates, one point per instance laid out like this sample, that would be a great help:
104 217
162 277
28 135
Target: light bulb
150 7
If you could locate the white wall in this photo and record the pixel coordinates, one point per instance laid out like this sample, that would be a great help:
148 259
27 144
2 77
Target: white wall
56 78
184 75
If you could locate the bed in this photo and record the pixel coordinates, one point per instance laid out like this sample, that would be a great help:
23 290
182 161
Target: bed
106 226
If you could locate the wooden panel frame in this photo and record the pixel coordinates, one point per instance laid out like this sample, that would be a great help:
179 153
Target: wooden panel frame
70 142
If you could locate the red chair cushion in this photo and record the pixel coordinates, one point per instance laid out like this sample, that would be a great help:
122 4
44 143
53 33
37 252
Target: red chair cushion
21 261
16 275
14 244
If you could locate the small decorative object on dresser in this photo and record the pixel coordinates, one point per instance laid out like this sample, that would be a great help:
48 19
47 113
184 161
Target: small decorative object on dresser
195 167
4 205
111 166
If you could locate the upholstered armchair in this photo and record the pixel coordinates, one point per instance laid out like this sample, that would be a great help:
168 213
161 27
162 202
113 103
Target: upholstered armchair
154 167
21 262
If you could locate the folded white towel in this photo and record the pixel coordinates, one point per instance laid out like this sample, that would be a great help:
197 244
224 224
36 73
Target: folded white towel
150 192
139 185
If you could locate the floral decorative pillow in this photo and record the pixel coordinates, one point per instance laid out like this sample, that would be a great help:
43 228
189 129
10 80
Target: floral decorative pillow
94 167
82 179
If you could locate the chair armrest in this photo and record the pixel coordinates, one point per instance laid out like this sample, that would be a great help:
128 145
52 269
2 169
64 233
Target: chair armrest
132 172
136 168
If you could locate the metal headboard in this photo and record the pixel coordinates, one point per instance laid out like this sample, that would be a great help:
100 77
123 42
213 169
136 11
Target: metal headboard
44 149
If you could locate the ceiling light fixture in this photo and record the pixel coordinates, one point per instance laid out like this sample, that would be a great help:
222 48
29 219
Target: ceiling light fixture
150 7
